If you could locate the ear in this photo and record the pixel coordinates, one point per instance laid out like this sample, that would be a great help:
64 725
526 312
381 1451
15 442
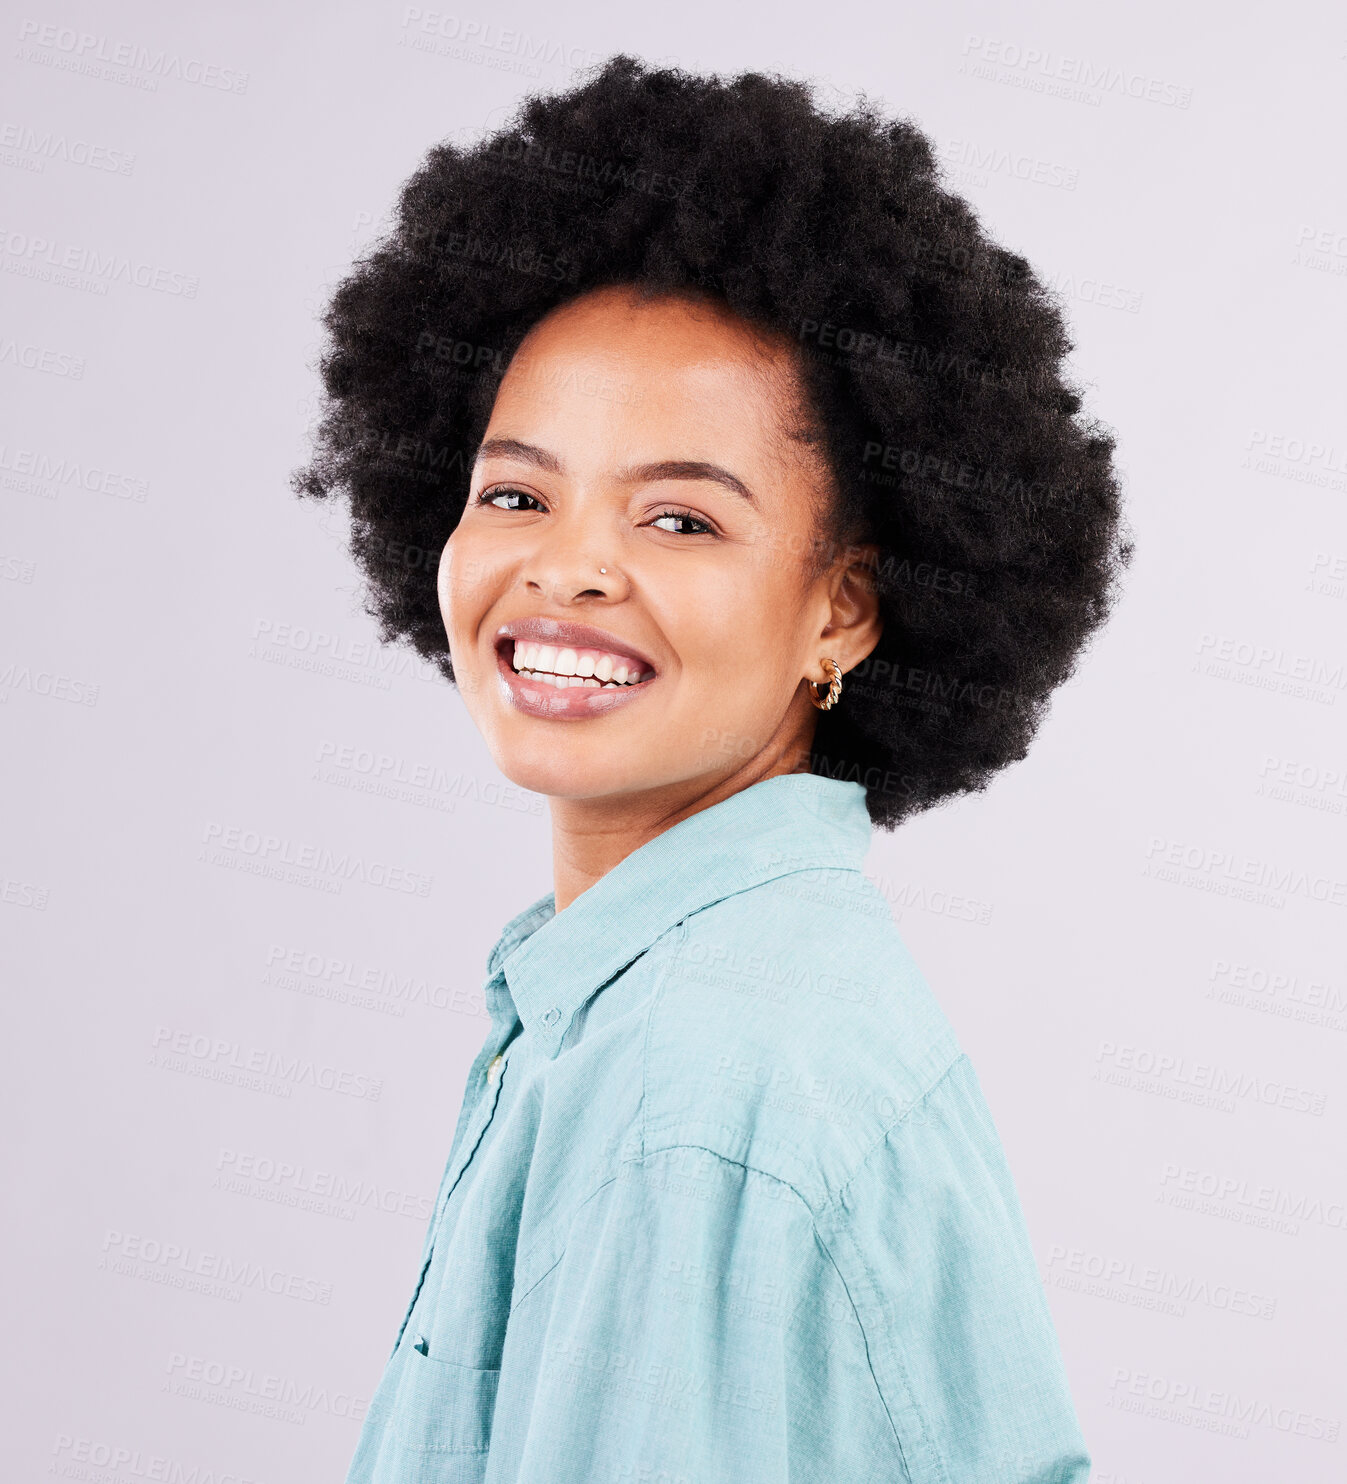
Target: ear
854 625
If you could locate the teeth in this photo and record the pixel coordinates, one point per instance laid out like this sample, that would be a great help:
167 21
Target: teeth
563 668
562 682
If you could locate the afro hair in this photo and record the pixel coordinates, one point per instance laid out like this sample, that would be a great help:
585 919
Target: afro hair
933 361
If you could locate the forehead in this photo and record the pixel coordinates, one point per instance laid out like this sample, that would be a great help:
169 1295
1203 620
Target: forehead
683 326
664 366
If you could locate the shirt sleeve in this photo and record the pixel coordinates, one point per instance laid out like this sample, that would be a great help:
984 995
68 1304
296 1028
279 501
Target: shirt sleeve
703 1324
931 1244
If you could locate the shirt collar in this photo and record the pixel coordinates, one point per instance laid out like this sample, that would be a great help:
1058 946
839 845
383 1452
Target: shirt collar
553 962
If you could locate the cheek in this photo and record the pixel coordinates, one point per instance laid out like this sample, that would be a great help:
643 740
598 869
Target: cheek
741 626
461 581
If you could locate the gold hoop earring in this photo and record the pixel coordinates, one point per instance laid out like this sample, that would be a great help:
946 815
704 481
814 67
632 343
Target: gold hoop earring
834 688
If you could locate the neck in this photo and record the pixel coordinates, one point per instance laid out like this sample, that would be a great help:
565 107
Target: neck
591 836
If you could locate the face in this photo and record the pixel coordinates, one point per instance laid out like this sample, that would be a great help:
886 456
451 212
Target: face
631 596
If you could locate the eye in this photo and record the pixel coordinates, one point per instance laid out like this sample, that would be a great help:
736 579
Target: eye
686 516
490 496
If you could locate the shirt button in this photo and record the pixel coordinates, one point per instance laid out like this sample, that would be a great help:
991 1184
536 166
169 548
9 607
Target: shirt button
493 1070
552 1016
419 1343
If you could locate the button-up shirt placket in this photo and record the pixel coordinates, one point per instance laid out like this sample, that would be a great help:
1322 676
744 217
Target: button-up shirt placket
479 1108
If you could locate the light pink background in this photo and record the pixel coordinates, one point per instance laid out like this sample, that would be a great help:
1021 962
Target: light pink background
183 655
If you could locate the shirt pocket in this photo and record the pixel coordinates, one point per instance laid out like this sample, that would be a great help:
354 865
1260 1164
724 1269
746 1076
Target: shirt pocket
442 1409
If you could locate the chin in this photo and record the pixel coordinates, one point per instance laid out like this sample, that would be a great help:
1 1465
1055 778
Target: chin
561 772
579 771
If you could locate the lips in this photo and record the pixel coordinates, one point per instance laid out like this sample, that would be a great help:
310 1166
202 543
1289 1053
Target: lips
577 665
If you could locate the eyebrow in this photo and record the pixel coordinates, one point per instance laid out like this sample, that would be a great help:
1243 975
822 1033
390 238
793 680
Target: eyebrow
665 469
526 453
687 469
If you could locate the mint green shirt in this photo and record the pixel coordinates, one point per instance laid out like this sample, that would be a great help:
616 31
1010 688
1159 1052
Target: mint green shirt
725 1204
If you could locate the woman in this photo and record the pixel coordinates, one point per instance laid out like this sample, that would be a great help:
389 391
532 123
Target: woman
729 471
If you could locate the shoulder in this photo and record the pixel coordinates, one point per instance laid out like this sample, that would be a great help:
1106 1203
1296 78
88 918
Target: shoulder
791 1031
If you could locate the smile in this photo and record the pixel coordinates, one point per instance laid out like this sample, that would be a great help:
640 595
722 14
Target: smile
560 682
594 669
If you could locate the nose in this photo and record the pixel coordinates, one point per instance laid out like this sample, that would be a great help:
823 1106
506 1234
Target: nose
573 561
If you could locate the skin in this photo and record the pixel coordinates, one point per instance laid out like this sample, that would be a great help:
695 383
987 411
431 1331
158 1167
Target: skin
729 610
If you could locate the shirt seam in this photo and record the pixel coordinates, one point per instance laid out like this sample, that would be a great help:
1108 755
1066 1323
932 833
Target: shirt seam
831 1206
681 930
640 1158
833 1200
724 1159
685 1144
870 1366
